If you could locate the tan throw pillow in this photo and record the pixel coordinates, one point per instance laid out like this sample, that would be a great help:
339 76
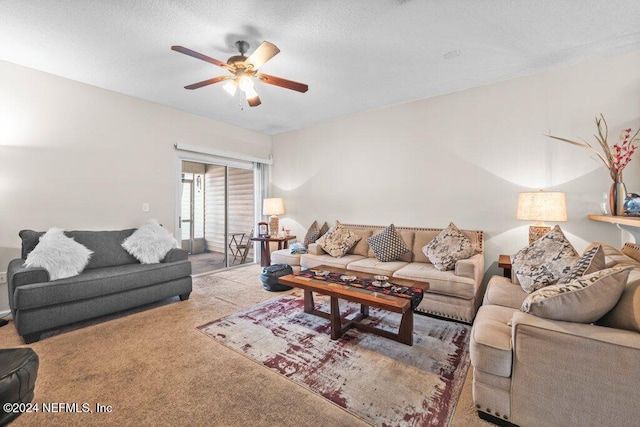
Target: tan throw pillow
543 262
312 234
448 247
388 245
583 300
338 240
590 262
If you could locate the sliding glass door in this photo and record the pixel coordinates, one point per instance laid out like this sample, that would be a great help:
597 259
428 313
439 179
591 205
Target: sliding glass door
217 215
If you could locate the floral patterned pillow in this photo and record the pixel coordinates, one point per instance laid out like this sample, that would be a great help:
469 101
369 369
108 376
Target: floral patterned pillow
338 240
544 261
448 247
583 300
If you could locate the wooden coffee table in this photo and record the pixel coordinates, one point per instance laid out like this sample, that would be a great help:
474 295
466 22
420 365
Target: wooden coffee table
365 298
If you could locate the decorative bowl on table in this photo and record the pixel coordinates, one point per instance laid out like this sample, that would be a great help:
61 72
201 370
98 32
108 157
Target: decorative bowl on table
381 281
320 273
348 279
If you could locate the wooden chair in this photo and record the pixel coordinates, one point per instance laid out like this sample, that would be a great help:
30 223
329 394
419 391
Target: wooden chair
239 245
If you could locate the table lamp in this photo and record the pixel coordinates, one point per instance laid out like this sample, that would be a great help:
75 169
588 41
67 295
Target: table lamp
273 207
541 206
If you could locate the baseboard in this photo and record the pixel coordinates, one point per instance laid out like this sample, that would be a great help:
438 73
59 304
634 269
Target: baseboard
5 313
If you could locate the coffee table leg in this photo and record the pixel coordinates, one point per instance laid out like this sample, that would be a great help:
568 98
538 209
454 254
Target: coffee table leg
309 305
405 333
334 316
364 310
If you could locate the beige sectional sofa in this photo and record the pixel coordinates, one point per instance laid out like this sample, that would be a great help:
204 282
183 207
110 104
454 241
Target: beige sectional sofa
531 371
454 294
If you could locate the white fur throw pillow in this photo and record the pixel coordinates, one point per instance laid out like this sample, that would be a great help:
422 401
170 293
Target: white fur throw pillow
150 243
60 255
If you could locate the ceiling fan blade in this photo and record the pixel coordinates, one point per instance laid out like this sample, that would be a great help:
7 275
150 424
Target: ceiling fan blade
208 82
197 55
262 54
287 84
254 102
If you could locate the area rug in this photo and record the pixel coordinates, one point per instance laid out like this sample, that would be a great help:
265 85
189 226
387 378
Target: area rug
381 381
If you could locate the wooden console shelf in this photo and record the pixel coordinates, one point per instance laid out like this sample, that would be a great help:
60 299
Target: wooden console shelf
630 224
631 221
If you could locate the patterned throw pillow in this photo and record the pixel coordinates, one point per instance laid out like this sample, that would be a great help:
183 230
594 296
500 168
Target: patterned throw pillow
450 246
60 255
583 300
543 262
590 262
312 234
388 245
324 229
338 240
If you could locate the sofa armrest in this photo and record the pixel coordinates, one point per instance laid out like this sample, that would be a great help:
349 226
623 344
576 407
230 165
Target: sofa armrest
315 249
595 365
472 268
18 275
176 254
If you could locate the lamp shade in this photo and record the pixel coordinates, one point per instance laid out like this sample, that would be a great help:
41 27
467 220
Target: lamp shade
273 206
542 206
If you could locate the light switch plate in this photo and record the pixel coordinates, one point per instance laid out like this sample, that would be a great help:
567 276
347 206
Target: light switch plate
145 207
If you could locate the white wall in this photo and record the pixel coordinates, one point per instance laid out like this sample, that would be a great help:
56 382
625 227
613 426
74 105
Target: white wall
80 157
464 157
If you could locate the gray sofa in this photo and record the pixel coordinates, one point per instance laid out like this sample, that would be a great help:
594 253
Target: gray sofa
454 294
532 371
112 281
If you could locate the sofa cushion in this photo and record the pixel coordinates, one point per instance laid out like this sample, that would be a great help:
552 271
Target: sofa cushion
491 347
591 261
98 282
362 247
502 291
448 247
373 266
310 260
613 256
60 255
150 243
626 313
106 245
388 245
583 300
338 240
542 262
440 282
284 256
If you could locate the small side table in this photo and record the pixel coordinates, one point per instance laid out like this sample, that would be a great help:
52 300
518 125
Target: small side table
504 262
265 250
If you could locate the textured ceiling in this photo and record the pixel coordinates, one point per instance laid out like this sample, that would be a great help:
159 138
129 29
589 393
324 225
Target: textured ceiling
355 55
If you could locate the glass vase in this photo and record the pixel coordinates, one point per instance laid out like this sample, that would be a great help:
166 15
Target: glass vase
616 198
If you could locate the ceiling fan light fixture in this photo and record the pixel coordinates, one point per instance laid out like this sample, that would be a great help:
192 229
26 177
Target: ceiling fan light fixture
246 84
231 87
244 70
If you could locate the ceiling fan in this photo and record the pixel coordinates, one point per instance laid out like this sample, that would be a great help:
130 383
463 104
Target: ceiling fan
244 69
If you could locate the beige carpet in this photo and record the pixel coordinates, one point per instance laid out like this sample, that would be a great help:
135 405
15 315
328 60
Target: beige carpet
155 368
